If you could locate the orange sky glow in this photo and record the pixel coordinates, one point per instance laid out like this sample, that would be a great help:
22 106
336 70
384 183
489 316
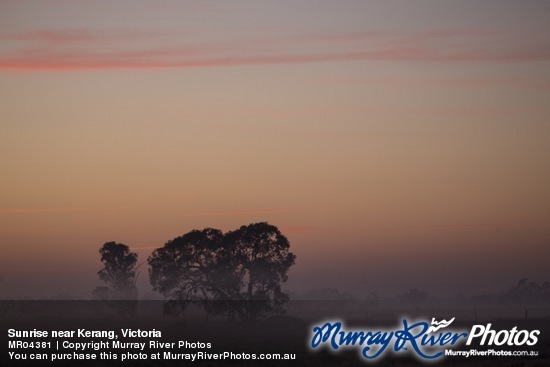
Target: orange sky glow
380 137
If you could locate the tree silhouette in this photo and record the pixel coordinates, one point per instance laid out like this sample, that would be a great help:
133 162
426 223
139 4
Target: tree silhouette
238 274
527 292
119 271
262 260
185 268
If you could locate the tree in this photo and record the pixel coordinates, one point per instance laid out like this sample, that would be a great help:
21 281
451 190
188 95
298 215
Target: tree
238 274
185 268
262 259
119 271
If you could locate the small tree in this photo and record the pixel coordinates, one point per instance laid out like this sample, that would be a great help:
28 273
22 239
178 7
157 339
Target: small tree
119 271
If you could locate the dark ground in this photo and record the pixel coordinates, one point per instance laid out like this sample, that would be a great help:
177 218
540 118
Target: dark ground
289 333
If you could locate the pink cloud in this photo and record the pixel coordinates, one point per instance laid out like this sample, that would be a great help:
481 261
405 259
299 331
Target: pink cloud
78 62
67 50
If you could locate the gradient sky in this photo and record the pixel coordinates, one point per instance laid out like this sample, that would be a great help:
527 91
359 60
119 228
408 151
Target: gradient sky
398 144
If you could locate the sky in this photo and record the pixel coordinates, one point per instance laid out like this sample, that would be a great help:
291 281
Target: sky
397 144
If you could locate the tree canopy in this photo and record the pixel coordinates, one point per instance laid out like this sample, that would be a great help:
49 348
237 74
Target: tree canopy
238 274
119 271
